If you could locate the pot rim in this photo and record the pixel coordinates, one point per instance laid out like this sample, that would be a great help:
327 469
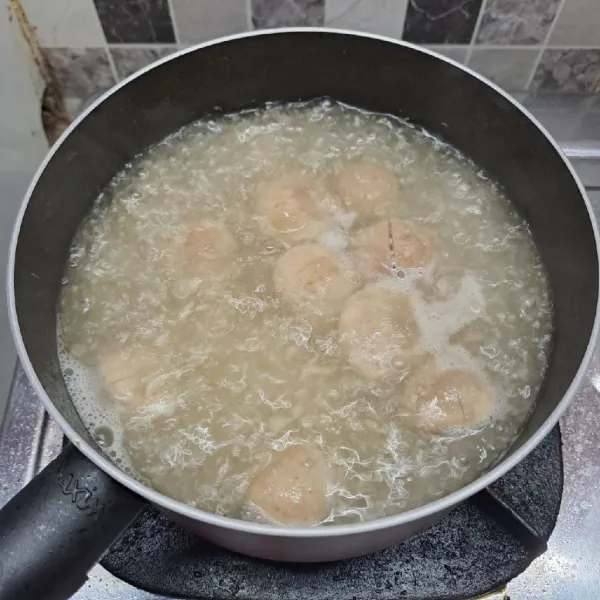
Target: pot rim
163 501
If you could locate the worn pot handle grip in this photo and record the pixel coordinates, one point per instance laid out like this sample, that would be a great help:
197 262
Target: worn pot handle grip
58 526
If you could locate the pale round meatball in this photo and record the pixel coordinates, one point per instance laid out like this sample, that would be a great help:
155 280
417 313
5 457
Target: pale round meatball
205 249
290 209
314 280
449 398
368 189
290 490
127 374
389 246
205 252
379 332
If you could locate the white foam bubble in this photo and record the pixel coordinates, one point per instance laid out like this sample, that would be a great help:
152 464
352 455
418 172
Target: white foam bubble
438 321
334 240
83 385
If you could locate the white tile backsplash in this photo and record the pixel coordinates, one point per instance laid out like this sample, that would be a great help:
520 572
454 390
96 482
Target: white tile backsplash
510 68
457 53
65 23
577 24
384 17
201 20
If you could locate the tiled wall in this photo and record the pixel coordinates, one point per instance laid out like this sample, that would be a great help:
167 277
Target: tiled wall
531 47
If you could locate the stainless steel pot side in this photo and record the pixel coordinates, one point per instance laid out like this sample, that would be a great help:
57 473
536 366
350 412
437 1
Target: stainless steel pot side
62 522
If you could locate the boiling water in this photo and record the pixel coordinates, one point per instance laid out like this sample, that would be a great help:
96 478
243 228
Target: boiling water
233 374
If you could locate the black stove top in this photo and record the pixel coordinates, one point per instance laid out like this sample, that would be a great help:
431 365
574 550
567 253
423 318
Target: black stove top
476 549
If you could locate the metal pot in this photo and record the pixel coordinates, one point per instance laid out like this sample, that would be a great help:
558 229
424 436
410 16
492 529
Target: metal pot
59 525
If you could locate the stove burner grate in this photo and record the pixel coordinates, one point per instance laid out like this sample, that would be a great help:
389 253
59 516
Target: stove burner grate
478 548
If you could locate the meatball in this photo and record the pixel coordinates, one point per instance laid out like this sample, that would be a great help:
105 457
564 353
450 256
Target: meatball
205 251
315 280
388 245
205 248
290 209
378 331
449 398
126 375
366 188
290 490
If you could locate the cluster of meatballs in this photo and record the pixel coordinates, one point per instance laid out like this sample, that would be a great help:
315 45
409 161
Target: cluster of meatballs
378 331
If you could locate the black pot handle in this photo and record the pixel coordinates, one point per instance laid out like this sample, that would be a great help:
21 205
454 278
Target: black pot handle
58 526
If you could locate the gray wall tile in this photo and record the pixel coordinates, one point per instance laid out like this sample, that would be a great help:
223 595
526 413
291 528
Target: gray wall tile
136 21
574 103
516 21
441 21
589 128
80 72
560 114
384 17
510 68
519 96
65 23
130 60
287 13
589 173
201 20
568 71
457 53
560 125
578 24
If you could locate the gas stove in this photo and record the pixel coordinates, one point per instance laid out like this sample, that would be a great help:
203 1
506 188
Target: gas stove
533 535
